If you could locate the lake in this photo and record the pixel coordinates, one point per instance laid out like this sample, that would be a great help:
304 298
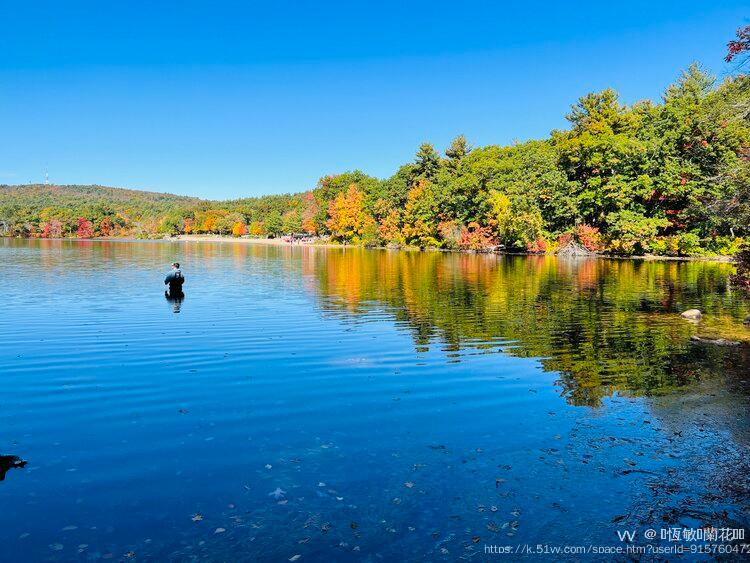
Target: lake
350 404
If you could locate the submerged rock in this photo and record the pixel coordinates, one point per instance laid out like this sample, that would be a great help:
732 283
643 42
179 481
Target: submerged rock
692 315
8 462
714 341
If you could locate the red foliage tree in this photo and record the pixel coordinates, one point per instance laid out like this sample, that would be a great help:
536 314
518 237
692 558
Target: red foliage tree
737 47
85 229
539 246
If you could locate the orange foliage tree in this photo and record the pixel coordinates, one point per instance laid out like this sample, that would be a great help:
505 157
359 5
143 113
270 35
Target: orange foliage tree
105 227
239 229
348 219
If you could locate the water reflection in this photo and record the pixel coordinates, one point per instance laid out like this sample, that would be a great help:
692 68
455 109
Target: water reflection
603 325
175 299
402 405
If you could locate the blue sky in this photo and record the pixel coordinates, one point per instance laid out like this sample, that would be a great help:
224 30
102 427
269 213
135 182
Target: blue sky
230 99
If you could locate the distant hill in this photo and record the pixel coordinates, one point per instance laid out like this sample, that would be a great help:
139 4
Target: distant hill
71 195
74 210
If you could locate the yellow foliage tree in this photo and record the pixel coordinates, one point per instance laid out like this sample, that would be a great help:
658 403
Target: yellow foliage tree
257 228
347 218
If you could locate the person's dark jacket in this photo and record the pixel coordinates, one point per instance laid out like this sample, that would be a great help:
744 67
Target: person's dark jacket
175 280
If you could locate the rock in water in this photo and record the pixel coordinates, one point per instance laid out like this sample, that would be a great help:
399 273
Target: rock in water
691 315
8 462
715 341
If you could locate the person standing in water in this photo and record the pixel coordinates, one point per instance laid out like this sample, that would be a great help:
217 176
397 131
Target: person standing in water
174 279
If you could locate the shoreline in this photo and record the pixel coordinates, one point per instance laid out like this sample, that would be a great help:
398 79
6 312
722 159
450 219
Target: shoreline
280 242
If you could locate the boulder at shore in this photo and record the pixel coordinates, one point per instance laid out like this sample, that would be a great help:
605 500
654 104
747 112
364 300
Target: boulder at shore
691 315
573 250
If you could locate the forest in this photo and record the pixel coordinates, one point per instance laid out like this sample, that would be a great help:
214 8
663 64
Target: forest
667 178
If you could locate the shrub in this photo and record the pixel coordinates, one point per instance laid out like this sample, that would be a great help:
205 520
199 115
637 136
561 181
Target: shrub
475 237
588 237
539 246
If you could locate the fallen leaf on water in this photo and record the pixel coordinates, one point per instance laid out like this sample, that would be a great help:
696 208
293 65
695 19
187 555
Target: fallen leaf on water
277 494
295 557
197 517
408 484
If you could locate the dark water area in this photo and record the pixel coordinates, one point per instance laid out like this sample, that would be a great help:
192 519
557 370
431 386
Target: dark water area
319 404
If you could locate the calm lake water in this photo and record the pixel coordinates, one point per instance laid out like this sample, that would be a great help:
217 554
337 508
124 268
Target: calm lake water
349 404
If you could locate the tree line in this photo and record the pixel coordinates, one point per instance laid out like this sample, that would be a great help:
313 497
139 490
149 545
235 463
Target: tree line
666 178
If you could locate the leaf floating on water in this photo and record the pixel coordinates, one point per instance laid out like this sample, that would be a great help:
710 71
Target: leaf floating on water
408 484
197 517
130 555
277 494
354 525
295 557
475 539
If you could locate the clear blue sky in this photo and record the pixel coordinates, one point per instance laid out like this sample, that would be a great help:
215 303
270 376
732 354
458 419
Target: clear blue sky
227 99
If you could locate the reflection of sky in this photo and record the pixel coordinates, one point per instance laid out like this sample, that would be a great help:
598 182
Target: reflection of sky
135 419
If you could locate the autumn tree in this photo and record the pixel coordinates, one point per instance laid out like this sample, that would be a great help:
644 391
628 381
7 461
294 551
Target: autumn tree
348 221
85 228
239 229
